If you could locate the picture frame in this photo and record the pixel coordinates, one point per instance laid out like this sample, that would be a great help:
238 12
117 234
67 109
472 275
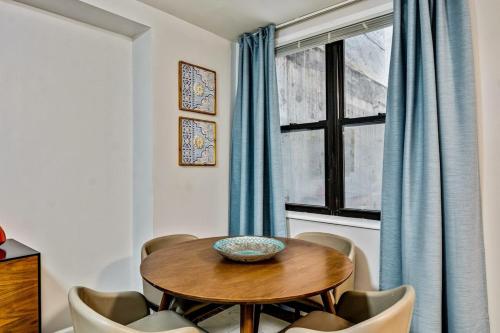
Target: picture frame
197 89
197 142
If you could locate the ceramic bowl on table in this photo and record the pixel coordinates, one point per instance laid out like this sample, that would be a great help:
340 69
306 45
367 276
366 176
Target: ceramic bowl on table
249 248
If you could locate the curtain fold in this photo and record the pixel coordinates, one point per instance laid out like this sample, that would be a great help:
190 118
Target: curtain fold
431 230
257 204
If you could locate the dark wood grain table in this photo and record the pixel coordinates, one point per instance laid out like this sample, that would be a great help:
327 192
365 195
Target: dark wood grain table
195 271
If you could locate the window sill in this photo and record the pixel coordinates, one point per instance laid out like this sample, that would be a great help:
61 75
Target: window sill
332 219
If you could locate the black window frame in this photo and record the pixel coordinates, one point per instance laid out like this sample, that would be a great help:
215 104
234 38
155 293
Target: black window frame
334 146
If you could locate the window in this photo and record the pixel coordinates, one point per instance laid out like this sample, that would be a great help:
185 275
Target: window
332 100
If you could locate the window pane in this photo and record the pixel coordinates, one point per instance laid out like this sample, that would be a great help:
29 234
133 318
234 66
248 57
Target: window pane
301 86
304 166
363 152
367 58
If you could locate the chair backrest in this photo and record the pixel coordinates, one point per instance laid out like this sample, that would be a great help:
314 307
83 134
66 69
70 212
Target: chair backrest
95 312
159 243
387 311
339 243
152 294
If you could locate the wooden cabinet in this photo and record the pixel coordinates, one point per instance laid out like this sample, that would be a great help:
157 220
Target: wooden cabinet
19 288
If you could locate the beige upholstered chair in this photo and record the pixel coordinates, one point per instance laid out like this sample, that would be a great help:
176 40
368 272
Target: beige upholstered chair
121 312
344 245
387 311
154 295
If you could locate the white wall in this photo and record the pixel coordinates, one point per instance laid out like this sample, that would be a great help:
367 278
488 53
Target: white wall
65 143
486 29
186 199
70 171
142 124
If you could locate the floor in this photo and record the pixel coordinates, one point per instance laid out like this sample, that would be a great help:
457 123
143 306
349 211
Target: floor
228 321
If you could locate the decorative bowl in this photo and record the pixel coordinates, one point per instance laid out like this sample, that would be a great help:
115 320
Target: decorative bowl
249 248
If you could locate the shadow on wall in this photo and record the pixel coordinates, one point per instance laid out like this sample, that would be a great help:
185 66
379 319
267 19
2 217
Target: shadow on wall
55 308
117 276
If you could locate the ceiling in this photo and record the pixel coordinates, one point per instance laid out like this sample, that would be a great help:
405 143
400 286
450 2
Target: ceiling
231 18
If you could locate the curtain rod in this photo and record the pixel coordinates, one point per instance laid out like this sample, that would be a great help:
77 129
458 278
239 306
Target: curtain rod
315 14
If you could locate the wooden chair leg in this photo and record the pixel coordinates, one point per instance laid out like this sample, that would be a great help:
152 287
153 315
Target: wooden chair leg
166 301
297 314
328 302
256 318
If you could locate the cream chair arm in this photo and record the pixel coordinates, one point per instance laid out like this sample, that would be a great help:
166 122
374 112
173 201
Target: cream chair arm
109 312
358 306
96 312
387 311
121 307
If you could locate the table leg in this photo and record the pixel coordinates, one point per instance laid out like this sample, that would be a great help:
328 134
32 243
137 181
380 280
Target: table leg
246 318
328 302
166 300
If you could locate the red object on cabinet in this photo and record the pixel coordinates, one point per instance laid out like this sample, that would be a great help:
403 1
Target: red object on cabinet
2 236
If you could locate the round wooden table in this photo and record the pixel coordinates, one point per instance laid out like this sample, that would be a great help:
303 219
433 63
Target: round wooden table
195 271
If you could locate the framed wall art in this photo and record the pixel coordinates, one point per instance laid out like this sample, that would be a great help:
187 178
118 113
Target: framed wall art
197 89
197 142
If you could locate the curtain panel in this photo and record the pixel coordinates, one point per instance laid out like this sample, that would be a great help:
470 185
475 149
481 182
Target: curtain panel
257 204
431 230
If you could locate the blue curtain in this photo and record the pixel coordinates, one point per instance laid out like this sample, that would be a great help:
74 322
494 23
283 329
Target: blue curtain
431 234
257 204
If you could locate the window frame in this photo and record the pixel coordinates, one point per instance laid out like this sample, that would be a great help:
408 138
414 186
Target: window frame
334 145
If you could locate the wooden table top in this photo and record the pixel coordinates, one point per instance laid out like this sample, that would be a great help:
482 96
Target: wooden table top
195 271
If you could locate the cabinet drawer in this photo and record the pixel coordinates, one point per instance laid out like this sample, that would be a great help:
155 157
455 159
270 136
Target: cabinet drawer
19 303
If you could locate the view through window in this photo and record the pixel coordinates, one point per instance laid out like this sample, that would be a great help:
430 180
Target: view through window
332 102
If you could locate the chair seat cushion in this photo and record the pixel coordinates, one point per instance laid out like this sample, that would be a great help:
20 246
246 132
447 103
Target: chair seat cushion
161 321
322 321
